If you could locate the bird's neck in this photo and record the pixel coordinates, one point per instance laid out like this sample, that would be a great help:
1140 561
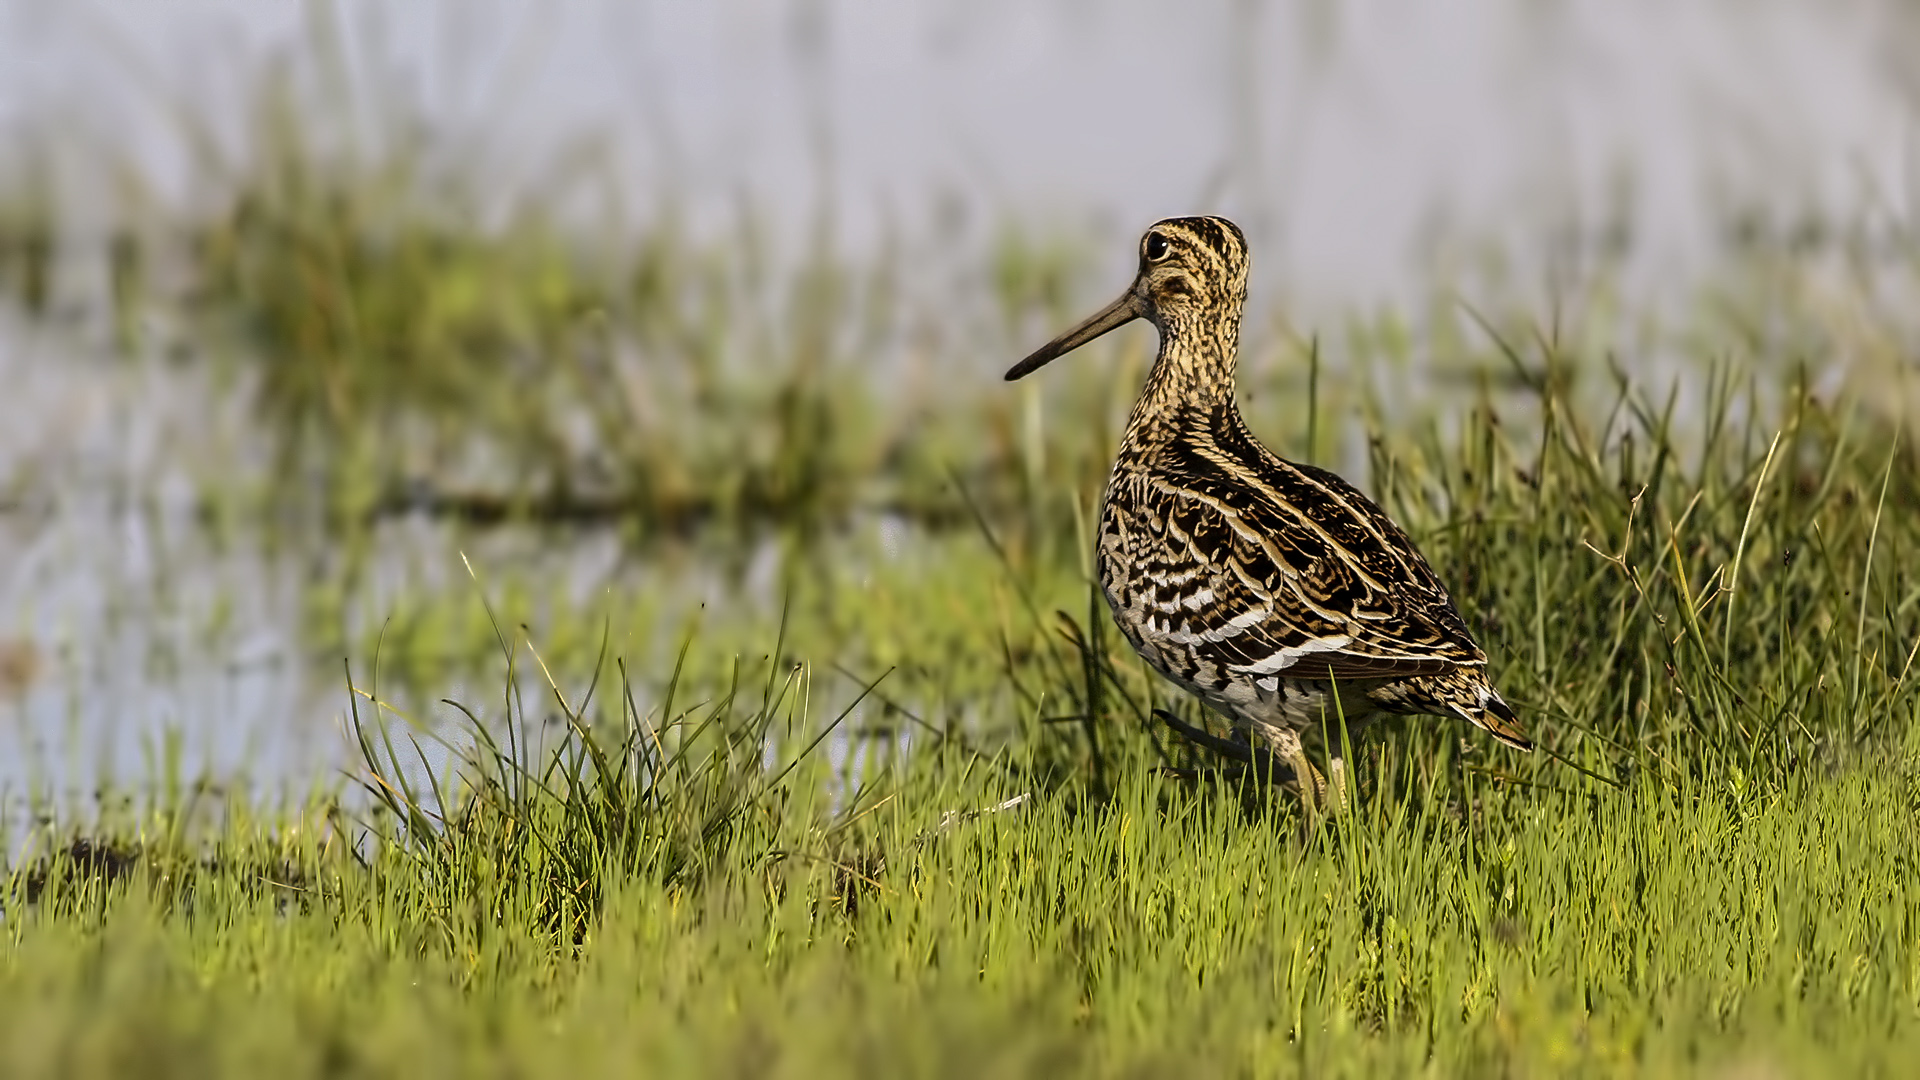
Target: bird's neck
1194 372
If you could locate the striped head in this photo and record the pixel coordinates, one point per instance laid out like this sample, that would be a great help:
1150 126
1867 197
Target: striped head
1191 284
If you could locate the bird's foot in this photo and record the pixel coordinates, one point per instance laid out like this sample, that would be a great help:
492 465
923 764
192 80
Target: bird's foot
1328 793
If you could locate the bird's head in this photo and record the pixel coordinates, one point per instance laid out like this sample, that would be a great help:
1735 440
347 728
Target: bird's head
1193 272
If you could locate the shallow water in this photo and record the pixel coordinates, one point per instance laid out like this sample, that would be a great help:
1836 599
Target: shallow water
146 625
132 619
139 621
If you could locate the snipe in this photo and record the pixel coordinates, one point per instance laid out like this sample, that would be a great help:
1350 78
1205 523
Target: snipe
1276 592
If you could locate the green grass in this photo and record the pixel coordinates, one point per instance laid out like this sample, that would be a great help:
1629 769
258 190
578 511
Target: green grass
1157 929
901 810
710 865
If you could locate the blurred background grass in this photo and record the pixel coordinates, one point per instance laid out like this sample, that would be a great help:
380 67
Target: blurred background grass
723 688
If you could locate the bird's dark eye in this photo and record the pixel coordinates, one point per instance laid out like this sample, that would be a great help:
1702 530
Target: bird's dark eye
1157 247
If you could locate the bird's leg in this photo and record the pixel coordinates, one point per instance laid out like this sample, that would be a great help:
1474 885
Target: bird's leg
1337 783
1345 727
1307 779
1260 760
1282 743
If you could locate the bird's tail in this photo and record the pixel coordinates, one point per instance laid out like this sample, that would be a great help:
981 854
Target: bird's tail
1498 719
1463 692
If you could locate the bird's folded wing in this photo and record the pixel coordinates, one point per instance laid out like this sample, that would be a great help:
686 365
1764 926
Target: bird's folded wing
1265 586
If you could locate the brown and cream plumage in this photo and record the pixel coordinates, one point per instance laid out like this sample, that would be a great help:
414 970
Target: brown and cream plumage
1257 584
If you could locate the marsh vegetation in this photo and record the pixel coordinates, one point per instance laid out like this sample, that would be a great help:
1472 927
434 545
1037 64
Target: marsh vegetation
897 805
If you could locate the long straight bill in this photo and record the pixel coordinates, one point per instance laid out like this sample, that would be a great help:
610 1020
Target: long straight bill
1117 314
